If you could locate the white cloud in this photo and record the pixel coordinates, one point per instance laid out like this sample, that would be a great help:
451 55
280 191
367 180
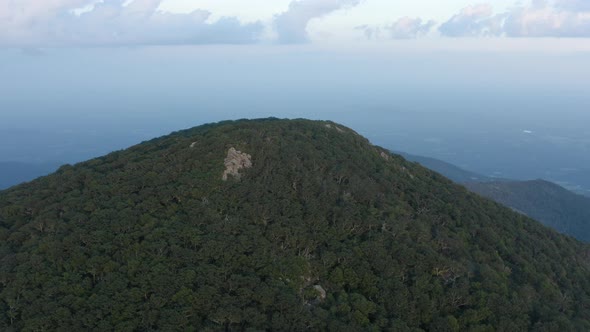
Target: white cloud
403 28
291 26
547 21
49 23
407 28
34 24
562 18
473 21
574 5
369 31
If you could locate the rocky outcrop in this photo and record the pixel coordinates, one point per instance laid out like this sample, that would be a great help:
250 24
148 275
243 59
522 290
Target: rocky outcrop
340 130
234 162
321 292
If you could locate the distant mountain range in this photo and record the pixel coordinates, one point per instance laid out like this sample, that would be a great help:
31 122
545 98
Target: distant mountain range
547 202
13 173
576 180
450 171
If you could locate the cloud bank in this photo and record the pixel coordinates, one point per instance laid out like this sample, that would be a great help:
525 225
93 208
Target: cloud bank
575 5
407 28
31 24
404 28
473 21
54 23
561 18
291 26
538 19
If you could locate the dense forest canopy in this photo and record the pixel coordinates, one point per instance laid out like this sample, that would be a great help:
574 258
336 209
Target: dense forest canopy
314 228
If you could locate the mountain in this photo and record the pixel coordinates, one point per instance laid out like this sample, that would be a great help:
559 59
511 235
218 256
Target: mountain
13 173
549 203
451 171
575 179
276 225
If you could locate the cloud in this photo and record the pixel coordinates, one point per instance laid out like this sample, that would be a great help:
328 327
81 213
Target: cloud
291 26
51 23
561 18
370 32
573 5
473 21
408 28
404 28
547 21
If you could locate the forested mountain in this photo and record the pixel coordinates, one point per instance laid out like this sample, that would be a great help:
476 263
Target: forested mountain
13 173
277 225
549 203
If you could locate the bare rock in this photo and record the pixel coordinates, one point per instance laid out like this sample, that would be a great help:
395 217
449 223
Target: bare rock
234 162
321 291
340 130
384 156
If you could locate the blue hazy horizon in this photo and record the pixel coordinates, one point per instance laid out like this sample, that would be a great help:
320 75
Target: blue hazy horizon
521 116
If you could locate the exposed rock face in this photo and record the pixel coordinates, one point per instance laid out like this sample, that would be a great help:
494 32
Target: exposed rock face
385 156
340 130
321 291
234 162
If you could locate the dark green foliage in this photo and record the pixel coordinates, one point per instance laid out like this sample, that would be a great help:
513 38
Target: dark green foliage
151 238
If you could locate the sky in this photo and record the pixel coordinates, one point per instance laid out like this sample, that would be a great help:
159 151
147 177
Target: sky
496 86
75 23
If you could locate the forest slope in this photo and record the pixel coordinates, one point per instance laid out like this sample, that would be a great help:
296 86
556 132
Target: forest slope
313 228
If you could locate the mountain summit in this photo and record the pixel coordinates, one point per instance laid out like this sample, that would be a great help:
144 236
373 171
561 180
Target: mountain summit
276 225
